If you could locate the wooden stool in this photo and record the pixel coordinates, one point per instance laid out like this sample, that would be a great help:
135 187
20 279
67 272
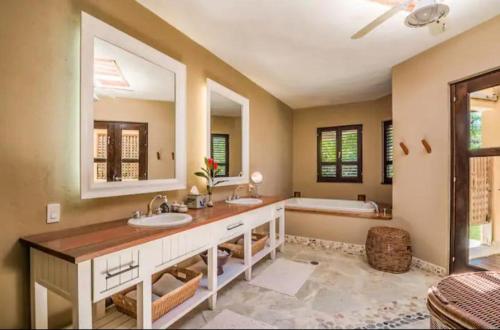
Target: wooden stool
389 249
466 301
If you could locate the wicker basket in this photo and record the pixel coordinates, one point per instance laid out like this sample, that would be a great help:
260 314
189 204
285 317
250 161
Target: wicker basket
466 301
167 302
258 244
389 249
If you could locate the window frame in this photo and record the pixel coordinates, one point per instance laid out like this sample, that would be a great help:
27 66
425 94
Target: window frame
386 179
114 152
338 164
226 164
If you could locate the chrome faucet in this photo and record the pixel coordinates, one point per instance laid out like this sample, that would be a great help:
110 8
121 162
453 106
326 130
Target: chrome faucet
151 202
235 193
375 205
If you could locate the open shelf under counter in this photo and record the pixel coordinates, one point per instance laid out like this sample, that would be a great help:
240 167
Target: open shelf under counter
261 254
178 312
232 269
115 319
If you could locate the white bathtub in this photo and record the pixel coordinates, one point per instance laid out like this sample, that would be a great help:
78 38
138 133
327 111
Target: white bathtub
329 205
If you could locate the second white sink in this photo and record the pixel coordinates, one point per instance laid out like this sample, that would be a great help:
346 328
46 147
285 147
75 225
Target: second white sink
164 220
245 201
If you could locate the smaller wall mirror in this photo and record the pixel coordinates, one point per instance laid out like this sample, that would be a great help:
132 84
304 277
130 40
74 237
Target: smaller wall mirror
228 133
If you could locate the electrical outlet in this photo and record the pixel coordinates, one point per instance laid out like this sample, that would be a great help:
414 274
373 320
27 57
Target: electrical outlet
53 213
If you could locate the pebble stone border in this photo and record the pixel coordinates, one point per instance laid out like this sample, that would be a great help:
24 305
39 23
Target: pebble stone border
359 250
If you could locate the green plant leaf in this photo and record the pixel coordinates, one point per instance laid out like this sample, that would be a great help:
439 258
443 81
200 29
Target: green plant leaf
201 174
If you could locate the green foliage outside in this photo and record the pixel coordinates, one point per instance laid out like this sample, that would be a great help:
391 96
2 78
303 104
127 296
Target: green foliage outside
475 130
475 232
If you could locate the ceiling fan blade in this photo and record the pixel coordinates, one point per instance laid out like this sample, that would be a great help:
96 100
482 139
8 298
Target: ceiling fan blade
381 19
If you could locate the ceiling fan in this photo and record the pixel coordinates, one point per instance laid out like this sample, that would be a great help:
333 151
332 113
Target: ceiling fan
426 12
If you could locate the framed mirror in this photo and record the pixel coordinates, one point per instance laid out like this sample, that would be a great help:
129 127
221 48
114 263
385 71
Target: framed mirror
133 135
228 133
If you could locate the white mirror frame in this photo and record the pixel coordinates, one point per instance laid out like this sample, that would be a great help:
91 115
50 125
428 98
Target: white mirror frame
92 28
213 86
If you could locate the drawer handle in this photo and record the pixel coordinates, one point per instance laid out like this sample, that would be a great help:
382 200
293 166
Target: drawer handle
234 226
130 267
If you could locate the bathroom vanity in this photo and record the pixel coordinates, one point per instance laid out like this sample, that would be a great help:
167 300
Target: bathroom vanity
88 264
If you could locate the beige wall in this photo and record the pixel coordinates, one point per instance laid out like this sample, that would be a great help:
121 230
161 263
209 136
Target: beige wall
160 117
305 123
39 97
231 126
421 109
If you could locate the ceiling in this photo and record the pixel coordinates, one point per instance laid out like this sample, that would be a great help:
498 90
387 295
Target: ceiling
222 106
300 50
147 81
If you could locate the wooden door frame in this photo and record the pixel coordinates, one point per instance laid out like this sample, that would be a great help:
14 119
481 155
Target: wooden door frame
459 184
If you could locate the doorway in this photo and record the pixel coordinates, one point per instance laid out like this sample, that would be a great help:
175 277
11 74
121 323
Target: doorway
475 181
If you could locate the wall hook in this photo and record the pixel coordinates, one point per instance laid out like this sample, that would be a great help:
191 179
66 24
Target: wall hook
427 146
405 148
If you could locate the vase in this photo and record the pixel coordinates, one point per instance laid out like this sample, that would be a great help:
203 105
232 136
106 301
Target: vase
210 202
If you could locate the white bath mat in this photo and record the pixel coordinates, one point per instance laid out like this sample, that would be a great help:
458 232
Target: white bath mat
230 320
284 276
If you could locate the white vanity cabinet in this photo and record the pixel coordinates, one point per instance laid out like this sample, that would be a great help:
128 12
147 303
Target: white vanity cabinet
88 282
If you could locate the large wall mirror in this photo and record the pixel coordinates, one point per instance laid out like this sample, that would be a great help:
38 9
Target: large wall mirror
228 129
132 115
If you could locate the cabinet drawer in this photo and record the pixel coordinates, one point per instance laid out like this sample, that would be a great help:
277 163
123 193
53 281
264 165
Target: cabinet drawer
229 229
116 271
176 246
279 210
260 216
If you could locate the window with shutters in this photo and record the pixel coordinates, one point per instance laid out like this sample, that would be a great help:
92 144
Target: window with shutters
388 152
340 154
219 147
120 151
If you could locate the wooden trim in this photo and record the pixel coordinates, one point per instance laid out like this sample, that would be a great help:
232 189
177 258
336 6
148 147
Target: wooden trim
460 157
372 216
338 163
385 126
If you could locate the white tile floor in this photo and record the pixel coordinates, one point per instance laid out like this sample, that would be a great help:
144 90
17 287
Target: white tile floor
343 292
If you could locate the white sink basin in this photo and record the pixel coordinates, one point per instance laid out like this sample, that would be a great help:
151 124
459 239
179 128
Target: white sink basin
164 220
245 201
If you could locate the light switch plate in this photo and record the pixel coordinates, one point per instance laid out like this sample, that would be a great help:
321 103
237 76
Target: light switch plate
53 213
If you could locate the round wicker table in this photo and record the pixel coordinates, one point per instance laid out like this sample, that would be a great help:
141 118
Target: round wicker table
466 301
388 249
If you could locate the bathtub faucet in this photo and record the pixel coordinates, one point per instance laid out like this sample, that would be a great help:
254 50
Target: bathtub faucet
375 206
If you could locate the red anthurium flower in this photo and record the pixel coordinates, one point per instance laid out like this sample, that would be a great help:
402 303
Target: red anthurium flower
210 162
216 166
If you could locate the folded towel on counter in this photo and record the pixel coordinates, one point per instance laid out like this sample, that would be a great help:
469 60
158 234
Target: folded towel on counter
133 295
199 267
166 284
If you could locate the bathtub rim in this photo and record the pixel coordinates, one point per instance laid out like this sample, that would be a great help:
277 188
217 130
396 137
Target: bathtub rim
350 214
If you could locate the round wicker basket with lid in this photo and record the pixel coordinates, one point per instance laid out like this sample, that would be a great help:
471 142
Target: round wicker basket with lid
470 301
389 249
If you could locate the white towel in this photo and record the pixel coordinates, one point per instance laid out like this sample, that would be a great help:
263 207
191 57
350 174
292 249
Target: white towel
133 295
199 267
167 283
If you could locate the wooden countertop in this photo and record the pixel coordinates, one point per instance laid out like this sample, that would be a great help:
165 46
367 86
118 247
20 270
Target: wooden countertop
87 242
